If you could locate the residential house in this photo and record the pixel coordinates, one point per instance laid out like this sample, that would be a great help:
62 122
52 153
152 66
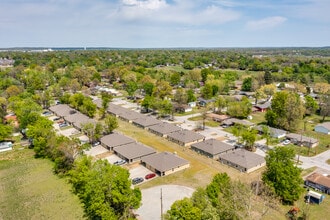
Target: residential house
5 146
62 110
133 152
301 140
185 137
233 121
212 148
165 163
273 132
263 107
146 121
319 182
113 140
163 129
243 160
323 128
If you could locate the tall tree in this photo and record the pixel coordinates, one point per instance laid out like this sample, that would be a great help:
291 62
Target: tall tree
286 111
110 124
183 209
282 175
268 77
247 84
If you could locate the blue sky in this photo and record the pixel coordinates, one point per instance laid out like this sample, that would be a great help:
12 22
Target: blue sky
164 23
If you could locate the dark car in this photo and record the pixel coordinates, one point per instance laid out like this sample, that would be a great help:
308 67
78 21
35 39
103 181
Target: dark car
120 162
137 180
149 176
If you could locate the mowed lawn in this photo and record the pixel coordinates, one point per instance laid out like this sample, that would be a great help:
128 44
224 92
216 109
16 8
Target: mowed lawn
30 190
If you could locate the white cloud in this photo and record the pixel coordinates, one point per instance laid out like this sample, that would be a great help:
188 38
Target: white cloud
145 4
265 23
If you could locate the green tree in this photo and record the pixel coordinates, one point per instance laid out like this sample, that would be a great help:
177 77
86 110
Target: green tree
131 87
183 209
147 102
310 105
268 77
325 106
240 109
5 131
191 96
247 84
207 91
286 111
110 124
249 137
104 189
282 175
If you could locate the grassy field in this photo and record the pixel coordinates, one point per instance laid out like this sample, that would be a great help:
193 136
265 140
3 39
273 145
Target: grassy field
30 190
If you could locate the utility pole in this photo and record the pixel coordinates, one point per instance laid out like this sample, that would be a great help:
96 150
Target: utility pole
161 203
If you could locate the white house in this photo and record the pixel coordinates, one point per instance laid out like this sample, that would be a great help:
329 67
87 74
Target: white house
4 146
323 128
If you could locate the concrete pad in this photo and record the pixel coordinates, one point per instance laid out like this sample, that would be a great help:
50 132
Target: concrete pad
151 202
96 151
139 171
112 158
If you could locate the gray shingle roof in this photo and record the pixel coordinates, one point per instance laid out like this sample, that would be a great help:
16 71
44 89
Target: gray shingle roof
115 140
298 137
185 136
231 121
62 110
213 146
77 117
164 128
164 161
146 121
274 132
134 150
129 114
243 158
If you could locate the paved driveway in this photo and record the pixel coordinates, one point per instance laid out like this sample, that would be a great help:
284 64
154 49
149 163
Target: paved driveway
151 201
93 151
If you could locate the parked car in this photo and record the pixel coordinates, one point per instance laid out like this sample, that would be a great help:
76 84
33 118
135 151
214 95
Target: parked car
46 113
96 143
137 180
62 125
56 119
120 162
286 142
149 176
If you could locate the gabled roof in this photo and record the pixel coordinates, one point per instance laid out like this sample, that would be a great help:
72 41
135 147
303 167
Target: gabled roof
185 136
243 158
164 128
129 114
264 105
115 109
146 121
115 140
319 179
62 110
274 132
164 161
298 138
98 102
77 117
134 150
213 146
231 121
325 125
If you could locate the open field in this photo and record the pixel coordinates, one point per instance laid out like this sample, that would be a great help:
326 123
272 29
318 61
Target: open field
30 190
